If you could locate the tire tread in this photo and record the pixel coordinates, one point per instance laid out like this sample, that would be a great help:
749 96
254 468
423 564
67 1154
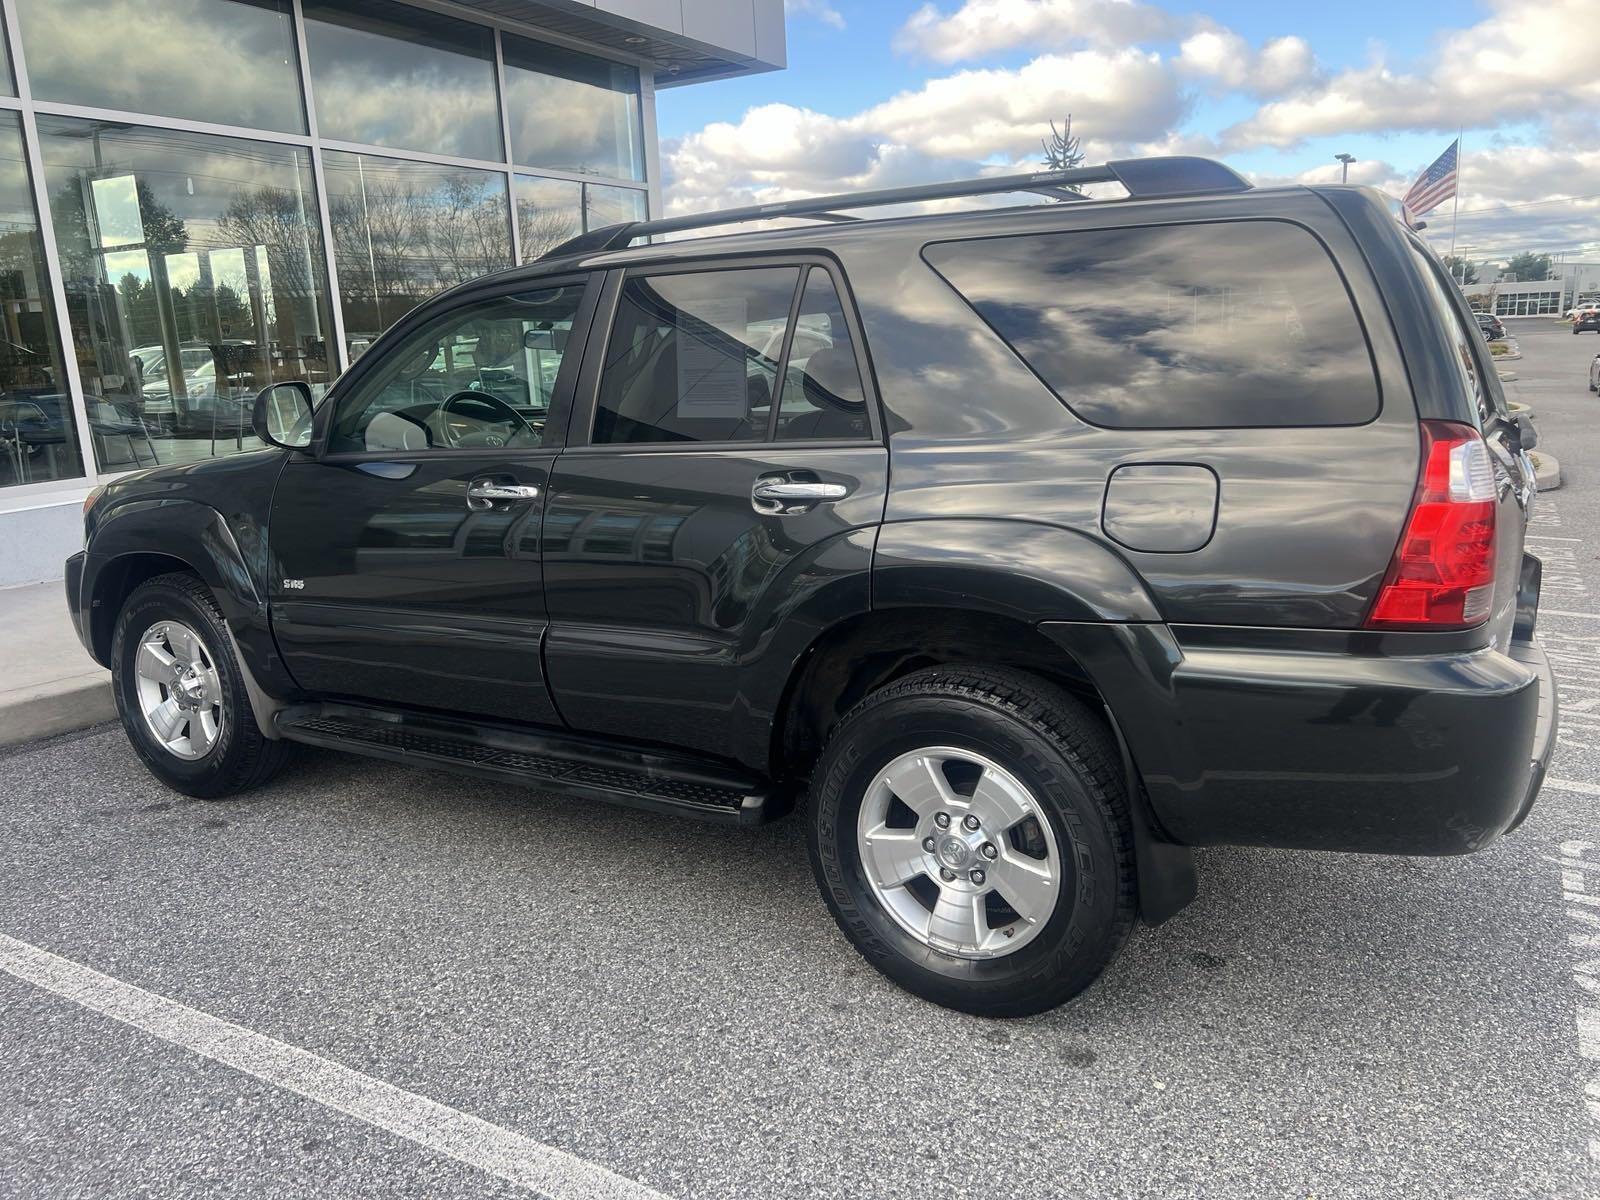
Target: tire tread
1071 728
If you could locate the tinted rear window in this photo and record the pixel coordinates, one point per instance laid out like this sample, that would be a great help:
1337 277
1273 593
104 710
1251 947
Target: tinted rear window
1221 324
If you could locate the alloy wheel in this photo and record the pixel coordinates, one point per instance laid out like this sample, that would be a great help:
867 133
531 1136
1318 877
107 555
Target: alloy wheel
959 852
180 694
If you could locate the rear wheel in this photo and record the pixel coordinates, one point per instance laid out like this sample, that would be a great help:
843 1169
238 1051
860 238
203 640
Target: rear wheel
180 692
970 833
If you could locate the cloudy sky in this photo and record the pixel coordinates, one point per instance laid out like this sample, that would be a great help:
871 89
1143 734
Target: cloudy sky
886 92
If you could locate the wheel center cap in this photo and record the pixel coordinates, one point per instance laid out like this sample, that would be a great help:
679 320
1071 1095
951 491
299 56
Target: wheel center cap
954 853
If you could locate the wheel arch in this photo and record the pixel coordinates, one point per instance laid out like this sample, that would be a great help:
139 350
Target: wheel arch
143 539
859 655
114 583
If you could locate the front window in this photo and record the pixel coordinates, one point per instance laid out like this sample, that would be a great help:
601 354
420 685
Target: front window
479 377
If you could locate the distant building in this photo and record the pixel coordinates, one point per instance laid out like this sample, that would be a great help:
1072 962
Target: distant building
1569 283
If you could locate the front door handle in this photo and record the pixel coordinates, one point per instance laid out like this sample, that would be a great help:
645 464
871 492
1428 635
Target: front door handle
483 493
790 497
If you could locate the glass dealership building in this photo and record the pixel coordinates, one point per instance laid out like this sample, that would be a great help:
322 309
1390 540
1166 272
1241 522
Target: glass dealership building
201 197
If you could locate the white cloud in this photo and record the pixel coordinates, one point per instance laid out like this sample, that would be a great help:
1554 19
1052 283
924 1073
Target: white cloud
950 127
1527 60
1517 197
1129 75
982 27
1224 59
821 10
1120 96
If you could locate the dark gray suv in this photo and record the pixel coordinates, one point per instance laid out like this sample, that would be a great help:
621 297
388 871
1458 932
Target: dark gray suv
1027 548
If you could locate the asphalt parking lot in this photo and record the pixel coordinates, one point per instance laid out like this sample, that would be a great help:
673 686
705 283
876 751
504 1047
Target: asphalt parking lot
436 988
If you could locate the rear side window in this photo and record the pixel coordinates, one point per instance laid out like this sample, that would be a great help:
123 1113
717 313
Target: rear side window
822 394
1463 340
1213 325
695 357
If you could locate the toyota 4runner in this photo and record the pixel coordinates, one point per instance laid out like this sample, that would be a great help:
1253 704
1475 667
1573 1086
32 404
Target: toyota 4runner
1027 548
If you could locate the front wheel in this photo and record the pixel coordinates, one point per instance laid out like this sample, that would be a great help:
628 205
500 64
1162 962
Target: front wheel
970 832
180 692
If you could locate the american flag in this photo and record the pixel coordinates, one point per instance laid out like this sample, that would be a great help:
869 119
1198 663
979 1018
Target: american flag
1434 186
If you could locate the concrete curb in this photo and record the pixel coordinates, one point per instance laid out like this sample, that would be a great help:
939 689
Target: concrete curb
60 706
1546 471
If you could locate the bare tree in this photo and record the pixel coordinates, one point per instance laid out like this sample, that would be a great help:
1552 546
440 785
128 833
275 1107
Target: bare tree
543 228
277 218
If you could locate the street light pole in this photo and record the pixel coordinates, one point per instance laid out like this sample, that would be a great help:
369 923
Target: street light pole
1344 166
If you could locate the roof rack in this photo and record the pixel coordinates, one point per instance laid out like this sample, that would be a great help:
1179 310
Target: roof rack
1176 175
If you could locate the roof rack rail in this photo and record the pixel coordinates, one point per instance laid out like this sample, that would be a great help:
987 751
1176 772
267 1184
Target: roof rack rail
1175 175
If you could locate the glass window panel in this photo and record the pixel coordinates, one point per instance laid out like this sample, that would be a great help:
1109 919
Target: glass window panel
481 375
388 75
694 357
822 394
403 231
116 209
229 61
572 111
8 77
549 211
38 435
1186 326
611 205
223 293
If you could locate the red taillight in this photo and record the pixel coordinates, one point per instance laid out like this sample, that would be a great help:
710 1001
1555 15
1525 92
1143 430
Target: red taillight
1442 574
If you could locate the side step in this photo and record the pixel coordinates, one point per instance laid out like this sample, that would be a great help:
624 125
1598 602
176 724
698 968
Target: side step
551 762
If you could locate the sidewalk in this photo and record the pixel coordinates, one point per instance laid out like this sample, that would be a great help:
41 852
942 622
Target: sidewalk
48 682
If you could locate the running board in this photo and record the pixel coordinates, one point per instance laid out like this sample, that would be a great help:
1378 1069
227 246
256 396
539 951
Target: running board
550 762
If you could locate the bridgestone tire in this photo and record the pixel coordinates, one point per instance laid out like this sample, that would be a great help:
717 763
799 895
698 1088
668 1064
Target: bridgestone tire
240 758
1054 746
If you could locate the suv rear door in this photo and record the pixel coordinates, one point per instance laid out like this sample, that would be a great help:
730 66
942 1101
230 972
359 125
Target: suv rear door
723 480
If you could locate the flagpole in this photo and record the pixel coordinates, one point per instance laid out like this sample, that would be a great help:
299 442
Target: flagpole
1455 208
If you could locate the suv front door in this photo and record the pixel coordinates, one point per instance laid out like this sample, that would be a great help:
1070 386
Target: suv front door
717 503
406 565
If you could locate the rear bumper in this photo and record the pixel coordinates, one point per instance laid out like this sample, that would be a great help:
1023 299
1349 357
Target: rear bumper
1348 746
1532 655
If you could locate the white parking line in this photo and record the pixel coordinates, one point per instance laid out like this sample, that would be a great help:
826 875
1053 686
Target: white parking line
1583 937
1571 785
438 1127
1560 612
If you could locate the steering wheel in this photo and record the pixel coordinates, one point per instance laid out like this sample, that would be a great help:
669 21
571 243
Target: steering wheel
500 406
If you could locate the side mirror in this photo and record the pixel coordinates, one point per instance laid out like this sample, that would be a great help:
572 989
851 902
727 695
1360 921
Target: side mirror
282 415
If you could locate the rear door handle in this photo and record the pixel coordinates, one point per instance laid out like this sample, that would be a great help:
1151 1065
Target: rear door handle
790 497
484 493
